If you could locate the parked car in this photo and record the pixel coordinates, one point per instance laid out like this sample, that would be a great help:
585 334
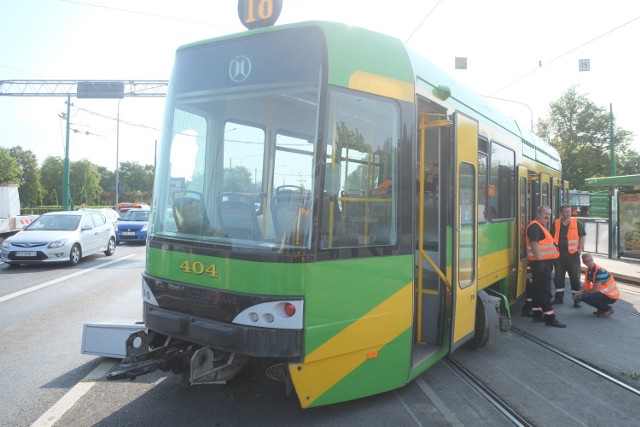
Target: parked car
133 226
111 215
60 237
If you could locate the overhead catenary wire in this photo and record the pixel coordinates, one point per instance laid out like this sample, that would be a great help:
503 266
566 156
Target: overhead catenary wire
423 21
154 15
542 64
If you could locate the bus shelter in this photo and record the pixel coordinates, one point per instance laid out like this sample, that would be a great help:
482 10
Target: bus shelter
624 221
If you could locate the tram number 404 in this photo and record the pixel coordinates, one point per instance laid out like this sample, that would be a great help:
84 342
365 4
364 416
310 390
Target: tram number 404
196 267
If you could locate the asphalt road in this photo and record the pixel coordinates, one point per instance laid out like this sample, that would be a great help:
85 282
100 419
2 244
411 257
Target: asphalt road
45 380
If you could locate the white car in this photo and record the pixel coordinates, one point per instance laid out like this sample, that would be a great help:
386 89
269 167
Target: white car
60 237
112 216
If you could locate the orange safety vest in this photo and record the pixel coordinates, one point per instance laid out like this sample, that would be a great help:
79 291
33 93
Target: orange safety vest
548 248
572 234
609 288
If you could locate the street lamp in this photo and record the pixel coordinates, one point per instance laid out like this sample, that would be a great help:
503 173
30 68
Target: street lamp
516 102
104 89
118 152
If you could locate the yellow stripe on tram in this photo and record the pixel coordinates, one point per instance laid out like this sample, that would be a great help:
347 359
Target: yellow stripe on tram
381 85
360 341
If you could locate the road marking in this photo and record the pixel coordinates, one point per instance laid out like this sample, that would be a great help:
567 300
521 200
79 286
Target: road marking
439 404
67 401
61 279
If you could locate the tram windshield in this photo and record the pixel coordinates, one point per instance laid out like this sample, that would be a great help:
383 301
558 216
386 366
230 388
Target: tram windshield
239 161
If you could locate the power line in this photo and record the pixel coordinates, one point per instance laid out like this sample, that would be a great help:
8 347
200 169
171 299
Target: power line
565 54
126 122
155 15
423 21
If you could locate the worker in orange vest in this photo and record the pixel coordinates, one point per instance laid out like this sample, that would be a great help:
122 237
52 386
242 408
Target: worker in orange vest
569 235
541 251
600 289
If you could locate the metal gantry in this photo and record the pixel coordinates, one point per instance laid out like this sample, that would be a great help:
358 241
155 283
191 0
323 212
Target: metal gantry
139 88
84 89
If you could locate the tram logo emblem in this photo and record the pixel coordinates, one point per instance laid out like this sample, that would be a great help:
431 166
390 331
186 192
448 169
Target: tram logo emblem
239 68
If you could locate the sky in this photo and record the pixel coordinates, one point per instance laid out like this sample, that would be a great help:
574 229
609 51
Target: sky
523 51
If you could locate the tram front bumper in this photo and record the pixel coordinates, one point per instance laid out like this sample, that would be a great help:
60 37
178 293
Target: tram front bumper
251 341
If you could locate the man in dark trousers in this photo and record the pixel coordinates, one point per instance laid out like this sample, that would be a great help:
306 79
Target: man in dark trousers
541 251
569 235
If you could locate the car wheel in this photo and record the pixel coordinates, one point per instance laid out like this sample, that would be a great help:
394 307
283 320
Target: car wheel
75 255
111 247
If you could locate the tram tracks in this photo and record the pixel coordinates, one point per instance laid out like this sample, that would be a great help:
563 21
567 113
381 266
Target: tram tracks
509 403
511 414
595 370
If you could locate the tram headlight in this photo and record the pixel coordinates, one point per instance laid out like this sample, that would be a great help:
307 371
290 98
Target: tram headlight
288 314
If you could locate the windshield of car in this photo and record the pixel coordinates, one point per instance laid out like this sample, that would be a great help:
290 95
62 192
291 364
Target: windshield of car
136 216
55 222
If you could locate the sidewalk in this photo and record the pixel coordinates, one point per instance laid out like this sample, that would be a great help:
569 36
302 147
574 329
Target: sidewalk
625 270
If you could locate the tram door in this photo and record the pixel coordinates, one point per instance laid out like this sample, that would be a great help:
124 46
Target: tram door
524 201
465 254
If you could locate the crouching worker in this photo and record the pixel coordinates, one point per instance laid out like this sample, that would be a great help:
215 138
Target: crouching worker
600 289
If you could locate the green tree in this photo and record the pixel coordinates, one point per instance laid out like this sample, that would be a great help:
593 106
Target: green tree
579 130
84 182
238 179
107 183
30 184
9 168
628 163
51 176
136 177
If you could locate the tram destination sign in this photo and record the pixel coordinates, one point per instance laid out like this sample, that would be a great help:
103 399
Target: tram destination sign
259 13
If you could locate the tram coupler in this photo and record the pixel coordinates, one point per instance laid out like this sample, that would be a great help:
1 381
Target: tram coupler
209 367
150 351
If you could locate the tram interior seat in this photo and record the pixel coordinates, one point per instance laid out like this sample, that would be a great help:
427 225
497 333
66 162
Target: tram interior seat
189 215
286 208
238 216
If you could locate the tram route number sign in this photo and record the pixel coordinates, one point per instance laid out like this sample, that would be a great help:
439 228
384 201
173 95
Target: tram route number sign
584 65
259 13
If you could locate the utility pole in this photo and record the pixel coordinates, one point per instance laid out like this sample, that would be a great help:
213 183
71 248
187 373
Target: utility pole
612 153
65 177
612 172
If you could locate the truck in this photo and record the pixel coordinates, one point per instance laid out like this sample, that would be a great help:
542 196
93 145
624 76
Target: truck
10 219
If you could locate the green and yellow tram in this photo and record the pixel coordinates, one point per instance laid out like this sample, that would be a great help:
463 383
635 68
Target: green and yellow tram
327 199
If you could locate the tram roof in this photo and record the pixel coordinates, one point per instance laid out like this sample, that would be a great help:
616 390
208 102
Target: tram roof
425 75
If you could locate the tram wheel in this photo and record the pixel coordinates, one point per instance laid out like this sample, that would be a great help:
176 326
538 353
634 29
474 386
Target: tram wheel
487 321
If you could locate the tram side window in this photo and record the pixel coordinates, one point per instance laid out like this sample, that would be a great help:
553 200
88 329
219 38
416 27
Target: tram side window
359 206
483 213
501 191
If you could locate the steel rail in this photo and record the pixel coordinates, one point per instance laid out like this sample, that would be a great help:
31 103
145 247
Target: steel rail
487 393
577 361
